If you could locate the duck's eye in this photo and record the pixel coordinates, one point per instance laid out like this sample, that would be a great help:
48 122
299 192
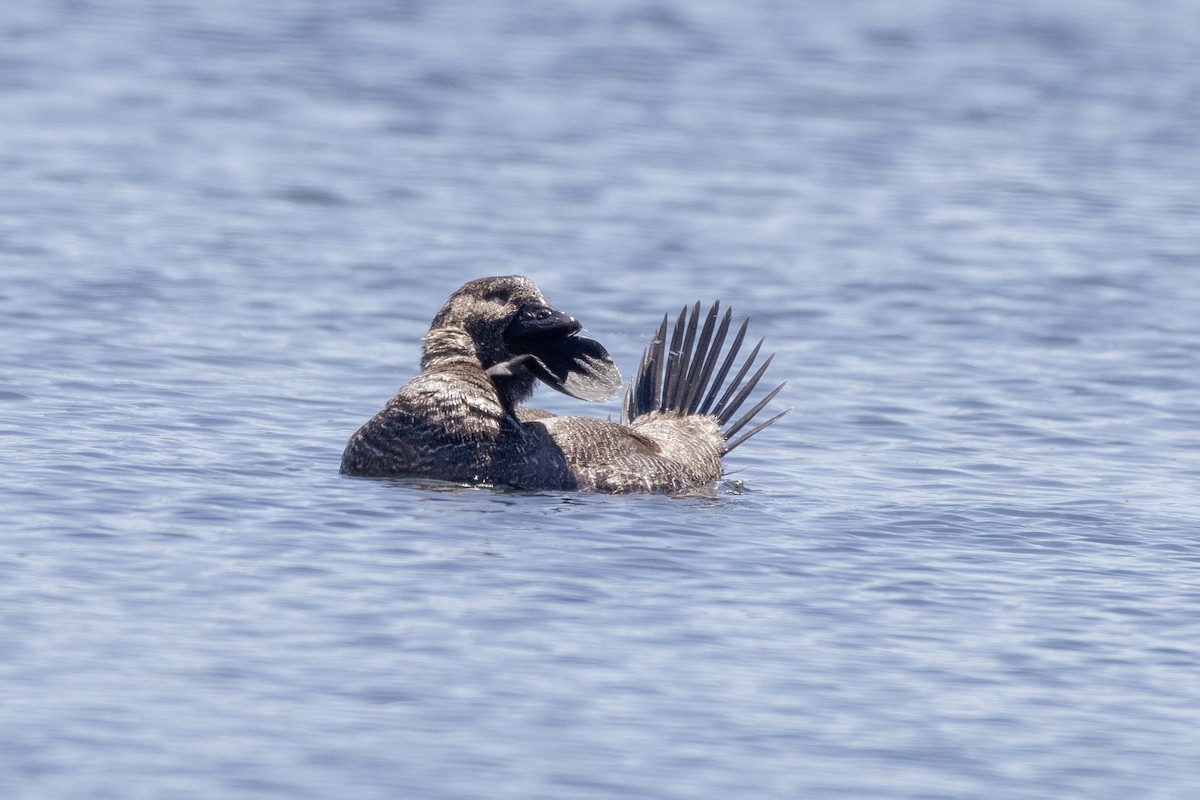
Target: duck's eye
498 297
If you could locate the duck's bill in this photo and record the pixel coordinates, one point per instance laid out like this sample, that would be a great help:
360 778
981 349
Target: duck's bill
572 364
577 366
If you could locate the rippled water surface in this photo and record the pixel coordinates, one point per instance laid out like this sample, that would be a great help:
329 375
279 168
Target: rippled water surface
966 565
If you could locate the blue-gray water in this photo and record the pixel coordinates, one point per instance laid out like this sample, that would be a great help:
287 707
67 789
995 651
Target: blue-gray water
966 565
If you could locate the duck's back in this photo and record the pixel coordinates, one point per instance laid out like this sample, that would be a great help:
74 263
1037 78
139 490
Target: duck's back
664 453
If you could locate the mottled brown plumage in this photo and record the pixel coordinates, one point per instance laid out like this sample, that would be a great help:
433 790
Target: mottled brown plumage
461 418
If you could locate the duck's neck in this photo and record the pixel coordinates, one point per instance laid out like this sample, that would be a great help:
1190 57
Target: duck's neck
451 353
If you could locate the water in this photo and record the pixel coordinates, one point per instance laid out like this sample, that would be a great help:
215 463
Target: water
966 565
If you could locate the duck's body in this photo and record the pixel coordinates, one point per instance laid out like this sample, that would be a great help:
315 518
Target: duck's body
461 420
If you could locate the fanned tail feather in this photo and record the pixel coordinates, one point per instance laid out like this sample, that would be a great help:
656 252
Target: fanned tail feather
683 376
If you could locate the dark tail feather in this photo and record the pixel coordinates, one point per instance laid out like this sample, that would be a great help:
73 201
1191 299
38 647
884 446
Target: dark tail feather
720 411
760 426
704 362
706 407
683 377
674 361
643 394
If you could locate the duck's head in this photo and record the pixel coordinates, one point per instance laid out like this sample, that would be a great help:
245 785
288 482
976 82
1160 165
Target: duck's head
519 338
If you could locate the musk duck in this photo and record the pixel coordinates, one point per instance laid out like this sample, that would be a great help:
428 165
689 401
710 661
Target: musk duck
461 419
